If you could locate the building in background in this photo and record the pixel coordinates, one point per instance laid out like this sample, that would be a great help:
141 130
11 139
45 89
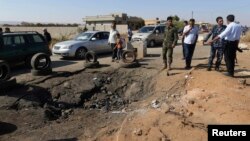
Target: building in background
152 21
120 19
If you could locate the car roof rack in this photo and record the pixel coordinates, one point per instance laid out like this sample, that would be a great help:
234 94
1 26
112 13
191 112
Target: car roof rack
21 32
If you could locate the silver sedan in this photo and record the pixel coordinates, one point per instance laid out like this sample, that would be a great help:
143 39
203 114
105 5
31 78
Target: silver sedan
96 41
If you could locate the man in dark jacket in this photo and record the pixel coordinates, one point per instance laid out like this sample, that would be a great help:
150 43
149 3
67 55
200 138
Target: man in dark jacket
217 47
47 36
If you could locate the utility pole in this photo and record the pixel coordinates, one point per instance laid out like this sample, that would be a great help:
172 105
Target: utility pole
192 14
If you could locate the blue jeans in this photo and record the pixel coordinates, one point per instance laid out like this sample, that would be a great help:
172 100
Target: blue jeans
189 51
119 53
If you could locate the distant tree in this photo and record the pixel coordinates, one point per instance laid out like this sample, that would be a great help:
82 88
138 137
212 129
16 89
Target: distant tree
176 18
7 25
75 24
39 24
25 24
179 24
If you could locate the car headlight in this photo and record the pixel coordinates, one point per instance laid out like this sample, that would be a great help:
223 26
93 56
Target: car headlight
67 47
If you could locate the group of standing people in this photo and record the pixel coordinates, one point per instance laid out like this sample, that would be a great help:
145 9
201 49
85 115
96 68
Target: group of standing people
225 40
190 36
7 30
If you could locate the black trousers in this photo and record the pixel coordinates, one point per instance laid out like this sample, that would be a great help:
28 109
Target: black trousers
189 51
230 55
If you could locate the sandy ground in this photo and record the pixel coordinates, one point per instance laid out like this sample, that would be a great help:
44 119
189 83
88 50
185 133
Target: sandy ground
144 104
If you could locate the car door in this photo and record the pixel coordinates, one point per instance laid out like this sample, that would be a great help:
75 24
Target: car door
105 47
36 44
158 36
96 43
22 45
14 48
5 51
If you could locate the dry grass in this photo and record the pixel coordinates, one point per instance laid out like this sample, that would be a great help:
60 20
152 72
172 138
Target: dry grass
246 38
62 37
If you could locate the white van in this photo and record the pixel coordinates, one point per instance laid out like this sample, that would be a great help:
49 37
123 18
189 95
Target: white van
152 34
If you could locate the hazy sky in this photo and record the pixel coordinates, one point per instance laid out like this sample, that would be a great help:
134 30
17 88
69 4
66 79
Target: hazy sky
70 11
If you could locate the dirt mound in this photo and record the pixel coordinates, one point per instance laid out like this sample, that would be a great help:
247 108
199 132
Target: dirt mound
187 107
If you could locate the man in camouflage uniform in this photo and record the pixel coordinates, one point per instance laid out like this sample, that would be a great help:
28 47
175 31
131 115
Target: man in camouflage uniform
170 41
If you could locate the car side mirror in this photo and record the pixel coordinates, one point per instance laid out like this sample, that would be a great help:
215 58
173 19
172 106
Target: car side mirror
93 39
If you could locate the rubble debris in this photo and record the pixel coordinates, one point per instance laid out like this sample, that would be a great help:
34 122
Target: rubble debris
138 132
155 104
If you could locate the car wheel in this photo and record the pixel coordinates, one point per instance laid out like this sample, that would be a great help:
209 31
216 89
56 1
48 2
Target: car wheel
41 61
90 56
4 71
80 53
152 43
128 56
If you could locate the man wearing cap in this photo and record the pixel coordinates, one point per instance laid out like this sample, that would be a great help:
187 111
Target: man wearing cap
232 37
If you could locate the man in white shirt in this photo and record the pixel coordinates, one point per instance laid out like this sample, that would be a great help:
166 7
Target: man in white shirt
112 40
232 36
190 34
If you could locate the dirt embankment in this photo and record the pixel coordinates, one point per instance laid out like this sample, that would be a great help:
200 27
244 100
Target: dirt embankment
187 103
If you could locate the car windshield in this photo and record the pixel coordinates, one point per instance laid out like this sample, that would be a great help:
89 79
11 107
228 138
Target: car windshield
146 29
83 36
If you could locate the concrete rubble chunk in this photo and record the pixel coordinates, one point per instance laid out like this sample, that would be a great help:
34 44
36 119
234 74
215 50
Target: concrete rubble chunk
67 85
138 132
155 104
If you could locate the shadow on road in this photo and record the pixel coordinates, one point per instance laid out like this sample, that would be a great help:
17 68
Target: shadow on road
69 139
243 73
61 63
153 55
202 58
103 55
6 128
